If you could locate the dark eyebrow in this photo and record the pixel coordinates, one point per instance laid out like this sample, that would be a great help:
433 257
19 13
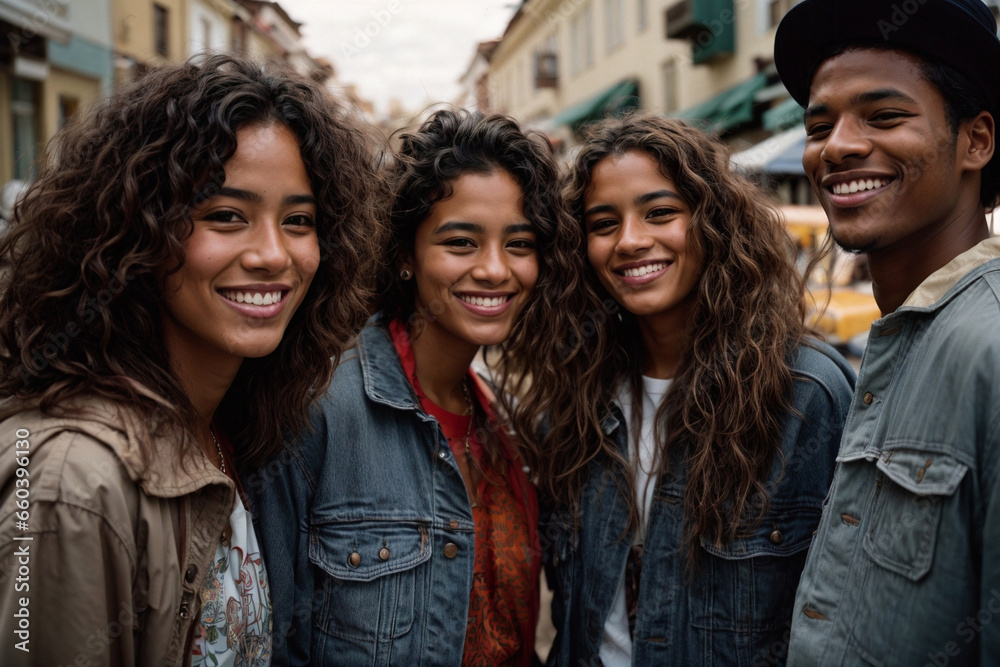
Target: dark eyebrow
255 198
867 97
639 201
237 193
473 228
457 226
659 194
519 228
299 199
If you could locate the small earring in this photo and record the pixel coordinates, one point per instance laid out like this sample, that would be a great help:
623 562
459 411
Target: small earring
405 274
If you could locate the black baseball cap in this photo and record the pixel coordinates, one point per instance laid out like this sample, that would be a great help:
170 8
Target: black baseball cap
958 33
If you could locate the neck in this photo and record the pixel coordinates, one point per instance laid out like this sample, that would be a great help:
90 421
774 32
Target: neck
205 382
664 339
442 369
899 269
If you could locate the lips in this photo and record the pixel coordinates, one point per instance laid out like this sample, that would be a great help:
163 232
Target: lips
853 190
256 302
639 273
485 304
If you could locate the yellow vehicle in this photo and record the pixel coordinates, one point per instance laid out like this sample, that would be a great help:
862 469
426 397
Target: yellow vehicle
841 307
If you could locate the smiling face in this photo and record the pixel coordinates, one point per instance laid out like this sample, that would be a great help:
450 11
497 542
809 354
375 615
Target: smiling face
250 259
474 262
637 237
880 153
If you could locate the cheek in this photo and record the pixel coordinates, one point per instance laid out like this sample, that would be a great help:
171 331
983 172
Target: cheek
307 258
528 274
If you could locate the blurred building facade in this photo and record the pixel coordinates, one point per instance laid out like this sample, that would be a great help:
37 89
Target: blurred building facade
563 63
59 56
55 58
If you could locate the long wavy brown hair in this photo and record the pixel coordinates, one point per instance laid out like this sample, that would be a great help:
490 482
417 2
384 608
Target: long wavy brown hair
724 411
82 293
552 328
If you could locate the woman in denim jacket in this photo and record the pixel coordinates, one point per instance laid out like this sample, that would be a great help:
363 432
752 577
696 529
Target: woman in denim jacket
406 523
680 523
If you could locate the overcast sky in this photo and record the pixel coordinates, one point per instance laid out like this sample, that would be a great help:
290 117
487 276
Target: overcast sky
415 53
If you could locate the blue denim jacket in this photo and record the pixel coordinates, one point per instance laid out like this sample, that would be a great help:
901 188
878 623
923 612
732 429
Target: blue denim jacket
737 609
905 566
369 552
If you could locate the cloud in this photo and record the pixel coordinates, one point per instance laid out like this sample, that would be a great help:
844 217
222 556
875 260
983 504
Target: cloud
415 54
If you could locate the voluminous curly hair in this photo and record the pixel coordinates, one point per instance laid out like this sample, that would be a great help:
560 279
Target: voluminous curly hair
108 216
553 329
726 406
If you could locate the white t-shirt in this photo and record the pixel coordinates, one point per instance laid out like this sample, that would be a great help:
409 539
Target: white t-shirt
616 643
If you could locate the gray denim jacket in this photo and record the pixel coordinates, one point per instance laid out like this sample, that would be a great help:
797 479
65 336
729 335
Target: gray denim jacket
737 609
905 566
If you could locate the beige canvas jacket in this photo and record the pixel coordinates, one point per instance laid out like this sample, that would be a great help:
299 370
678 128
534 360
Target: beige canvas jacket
115 552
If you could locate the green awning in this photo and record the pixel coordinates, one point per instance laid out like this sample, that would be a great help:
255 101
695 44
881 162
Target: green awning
726 110
615 99
786 115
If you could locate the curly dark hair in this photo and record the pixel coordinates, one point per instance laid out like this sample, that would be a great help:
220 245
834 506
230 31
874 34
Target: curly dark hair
725 409
80 311
553 327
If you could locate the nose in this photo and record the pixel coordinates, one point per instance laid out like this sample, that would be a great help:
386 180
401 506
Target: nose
492 267
633 236
267 249
846 140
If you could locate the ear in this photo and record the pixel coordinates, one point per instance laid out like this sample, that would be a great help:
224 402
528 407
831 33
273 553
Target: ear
980 132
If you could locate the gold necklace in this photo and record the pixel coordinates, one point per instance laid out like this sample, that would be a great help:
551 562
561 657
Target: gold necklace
218 447
470 412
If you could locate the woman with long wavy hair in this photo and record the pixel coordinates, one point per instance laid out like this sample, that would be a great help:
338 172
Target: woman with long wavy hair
194 256
681 515
407 519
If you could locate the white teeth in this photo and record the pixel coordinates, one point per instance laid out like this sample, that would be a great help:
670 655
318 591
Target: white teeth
643 270
255 298
858 186
486 302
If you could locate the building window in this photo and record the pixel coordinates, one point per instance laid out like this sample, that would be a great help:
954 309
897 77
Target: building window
161 18
642 14
24 108
240 31
582 41
547 64
68 106
614 24
206 34
670 87
777 10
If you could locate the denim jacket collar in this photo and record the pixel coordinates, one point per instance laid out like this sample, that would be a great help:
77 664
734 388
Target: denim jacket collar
385 380
944 284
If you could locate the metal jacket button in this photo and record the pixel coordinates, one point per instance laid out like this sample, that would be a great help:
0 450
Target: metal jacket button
450 550
868 398
191 574
777 537
354 559
383 553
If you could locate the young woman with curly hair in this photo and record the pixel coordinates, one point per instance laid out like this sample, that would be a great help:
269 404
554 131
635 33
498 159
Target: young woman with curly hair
193 256
680 523
407 520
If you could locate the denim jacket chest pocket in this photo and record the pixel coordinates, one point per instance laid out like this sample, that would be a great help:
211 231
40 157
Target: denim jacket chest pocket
911 484
375 582
748 586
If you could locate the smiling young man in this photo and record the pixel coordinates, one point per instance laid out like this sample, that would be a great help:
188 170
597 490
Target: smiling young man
901 100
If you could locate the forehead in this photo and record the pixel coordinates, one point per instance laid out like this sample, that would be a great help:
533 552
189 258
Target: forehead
867 68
